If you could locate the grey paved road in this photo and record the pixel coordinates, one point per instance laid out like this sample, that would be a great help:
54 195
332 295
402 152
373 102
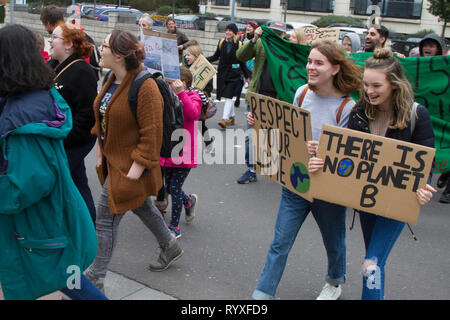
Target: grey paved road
226 245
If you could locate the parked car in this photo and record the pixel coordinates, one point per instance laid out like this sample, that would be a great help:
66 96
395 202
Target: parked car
362 32
102 13
296 25
241 24
192 21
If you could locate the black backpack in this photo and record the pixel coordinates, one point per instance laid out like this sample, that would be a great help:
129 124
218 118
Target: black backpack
172 113
94 57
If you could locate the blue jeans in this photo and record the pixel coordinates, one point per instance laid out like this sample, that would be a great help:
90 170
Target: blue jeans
380 235
87 291
248 143
291 215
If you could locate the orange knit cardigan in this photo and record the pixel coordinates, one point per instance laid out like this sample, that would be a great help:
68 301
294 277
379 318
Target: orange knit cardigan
129 139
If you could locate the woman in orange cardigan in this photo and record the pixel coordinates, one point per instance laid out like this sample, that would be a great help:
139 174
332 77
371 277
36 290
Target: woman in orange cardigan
128 152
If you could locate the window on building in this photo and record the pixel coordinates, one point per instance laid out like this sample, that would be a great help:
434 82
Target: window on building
407 9
311 5
255 3
222 2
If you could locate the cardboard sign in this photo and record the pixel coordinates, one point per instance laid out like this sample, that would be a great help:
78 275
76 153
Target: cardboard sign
279 143
202 72
161 51
371 173
321 34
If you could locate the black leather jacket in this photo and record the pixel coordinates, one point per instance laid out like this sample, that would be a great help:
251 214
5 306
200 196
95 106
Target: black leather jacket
423 131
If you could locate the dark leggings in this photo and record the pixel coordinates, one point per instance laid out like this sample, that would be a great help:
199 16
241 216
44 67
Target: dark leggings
174 180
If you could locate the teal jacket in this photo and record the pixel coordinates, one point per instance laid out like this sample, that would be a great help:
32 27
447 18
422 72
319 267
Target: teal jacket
46 233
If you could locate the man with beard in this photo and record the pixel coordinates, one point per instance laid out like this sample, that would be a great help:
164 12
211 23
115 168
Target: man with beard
377 38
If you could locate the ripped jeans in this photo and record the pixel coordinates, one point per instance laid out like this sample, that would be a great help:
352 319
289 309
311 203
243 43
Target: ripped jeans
380 235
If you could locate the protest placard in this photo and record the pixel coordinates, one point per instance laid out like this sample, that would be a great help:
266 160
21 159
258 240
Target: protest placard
202 72
429 78
279 143
161 52
371 173
321 34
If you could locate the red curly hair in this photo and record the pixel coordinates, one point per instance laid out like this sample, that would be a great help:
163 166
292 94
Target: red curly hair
81 47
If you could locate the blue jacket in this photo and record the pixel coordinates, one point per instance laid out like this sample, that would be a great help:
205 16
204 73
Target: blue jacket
45 228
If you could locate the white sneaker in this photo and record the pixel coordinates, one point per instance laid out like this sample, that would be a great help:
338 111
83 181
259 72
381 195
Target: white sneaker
330 292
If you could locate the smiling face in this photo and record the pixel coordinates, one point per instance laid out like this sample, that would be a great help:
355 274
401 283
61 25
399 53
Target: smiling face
58 49
378 88
374 39
229 34
319 69
107 58
249 29
430 48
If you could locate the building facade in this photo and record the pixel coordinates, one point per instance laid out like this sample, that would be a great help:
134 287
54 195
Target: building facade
404 16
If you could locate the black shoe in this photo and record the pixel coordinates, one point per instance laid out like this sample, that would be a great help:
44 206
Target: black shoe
247 177
445 198
442 181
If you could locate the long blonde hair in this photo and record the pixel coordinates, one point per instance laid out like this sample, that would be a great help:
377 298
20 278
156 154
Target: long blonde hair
402 94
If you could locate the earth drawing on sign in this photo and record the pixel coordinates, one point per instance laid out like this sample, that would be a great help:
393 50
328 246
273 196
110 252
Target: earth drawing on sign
300 179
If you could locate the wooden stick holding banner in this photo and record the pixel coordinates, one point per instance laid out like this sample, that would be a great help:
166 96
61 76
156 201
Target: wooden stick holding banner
202 72
161 52
279 143
371 173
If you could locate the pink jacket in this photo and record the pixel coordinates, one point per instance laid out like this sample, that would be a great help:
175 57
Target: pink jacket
192 107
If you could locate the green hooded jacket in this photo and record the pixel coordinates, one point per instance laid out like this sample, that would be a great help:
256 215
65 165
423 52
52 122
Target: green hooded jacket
46 233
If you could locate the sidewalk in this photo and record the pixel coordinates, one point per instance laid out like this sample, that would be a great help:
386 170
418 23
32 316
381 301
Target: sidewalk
118 287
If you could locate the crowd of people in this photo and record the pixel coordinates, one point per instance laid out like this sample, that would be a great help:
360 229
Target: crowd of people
52 116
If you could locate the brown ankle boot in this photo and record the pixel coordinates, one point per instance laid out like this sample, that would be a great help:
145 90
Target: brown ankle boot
222 123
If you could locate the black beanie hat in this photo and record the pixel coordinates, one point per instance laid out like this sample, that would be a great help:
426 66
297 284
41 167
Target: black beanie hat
232 27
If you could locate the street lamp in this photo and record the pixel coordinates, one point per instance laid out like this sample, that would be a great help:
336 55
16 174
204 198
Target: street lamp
284 4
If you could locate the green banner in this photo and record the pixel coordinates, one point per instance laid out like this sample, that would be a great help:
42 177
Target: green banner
429 77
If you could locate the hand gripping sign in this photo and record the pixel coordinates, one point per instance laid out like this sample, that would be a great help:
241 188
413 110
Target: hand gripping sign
279 143
371 173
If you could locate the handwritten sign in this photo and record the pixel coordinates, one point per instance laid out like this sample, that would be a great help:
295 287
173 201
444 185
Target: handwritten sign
202 72
279 143
161 54
371 173
321 34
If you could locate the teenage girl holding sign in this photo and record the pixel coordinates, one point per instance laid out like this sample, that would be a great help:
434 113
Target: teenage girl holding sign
385 109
